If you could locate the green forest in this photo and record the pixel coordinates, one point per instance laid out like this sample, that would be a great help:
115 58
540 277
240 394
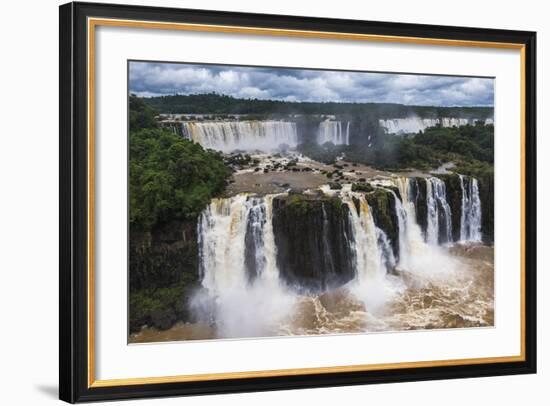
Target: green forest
171 178
213 103
171 181
470 148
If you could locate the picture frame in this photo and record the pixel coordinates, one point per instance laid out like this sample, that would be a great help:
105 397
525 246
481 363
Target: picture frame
77 279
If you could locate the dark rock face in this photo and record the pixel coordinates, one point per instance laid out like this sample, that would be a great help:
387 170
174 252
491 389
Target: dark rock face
307 128
162 273
418 191
487 197
453 190
312 239
442 221
382 204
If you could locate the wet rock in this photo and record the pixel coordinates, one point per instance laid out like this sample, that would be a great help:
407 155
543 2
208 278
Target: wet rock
453 191
362 187
382 203
313 252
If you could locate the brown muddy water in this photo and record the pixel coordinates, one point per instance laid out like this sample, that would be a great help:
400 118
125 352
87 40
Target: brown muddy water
463 298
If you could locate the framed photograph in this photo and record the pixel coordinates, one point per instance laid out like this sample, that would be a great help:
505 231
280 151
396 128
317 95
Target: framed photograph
256 202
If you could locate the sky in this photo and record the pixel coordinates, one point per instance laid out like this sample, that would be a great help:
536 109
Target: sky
155 79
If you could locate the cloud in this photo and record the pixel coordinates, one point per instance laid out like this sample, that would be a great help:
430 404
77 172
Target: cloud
153 79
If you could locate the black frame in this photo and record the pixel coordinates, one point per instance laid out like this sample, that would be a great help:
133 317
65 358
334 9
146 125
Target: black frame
73 289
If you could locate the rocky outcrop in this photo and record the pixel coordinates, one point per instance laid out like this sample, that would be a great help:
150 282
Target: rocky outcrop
162 274
382 204
487 197
311 235
453 191
418 192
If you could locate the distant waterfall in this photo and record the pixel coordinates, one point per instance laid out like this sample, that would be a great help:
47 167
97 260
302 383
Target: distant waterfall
333 131
227 136
416 124
439 229
470 221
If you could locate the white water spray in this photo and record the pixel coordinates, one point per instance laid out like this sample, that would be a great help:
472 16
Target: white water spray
239 303
227 136
470 220
438 208
412 125
333 131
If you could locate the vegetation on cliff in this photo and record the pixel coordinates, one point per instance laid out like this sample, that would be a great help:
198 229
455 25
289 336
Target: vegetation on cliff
312 247
470 148
170 178
171 181
382 204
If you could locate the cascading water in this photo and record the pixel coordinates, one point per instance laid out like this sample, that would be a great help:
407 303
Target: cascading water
227 136
413 124
387 258
221 231
438 209
402 223
246 294
470 221
413 243
333 131
372 253
229 229
365 242
415 254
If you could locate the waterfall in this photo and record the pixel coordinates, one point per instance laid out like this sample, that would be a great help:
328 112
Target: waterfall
372 255
407 212
333 131
259 239
229 228
415 255
470 220
413 124
221 231
387 259
242 291
227 136
249 291
403 239
367 256
438 209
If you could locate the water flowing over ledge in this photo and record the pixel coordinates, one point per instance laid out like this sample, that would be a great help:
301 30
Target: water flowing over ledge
234 133
412 125
267 262
227 136
334 131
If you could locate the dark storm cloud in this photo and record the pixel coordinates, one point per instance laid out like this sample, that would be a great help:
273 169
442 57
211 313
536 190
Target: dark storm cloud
151 79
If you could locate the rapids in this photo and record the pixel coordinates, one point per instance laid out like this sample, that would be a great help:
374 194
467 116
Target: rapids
429 284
